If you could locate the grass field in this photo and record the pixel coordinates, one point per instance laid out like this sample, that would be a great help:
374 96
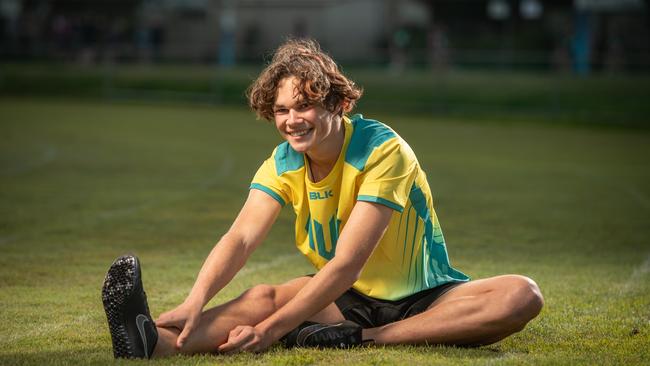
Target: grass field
83 182
601 99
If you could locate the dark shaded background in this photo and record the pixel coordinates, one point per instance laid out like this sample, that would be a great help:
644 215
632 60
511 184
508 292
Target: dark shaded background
580 61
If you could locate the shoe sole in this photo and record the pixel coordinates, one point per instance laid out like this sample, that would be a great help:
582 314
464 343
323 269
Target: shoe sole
117 289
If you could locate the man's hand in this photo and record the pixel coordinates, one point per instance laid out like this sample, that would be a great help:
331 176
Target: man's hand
246 338
185 317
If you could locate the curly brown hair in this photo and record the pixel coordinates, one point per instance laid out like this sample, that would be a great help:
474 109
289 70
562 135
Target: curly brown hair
320 82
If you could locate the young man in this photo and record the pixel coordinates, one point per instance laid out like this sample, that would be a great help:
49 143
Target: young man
364 218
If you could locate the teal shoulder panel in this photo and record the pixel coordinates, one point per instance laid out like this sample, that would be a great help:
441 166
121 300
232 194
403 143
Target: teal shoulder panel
287 159
368 134
268 191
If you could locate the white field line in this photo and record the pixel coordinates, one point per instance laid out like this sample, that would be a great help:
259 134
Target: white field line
638 196
643 269
46 328
47 155
620 185
637 276
7 239
249 269
42 329
225 169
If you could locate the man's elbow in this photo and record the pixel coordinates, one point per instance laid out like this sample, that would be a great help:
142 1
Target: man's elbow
238 242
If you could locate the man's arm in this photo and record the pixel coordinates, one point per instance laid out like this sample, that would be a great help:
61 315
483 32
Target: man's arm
360 236
224 261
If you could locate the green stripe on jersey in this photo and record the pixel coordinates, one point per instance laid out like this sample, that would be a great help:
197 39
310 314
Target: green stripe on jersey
382 201
268 191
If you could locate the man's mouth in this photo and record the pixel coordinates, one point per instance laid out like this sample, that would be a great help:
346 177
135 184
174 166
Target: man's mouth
300 132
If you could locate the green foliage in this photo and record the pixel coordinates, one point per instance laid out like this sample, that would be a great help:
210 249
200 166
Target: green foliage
83 182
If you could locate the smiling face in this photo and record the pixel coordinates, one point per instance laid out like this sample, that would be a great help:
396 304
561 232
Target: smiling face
308 128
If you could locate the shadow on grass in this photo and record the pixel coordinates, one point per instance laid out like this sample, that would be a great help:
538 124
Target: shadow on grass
277 355
70 356
388 355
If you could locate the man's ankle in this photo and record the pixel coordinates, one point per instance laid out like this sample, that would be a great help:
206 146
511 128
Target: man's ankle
166 345
368 337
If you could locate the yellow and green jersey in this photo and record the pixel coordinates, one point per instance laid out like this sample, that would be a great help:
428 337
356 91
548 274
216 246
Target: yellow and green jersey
375 165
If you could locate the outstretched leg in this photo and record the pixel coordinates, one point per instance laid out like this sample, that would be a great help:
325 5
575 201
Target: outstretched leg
474 313
250 308
134 334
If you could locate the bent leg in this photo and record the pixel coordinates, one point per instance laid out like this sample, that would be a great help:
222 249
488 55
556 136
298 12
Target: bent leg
250 308
474 313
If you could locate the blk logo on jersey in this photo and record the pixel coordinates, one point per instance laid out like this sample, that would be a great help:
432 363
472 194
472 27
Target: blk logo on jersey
320 195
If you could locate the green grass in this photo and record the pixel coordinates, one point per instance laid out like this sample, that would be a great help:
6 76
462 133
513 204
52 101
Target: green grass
83 182
602 99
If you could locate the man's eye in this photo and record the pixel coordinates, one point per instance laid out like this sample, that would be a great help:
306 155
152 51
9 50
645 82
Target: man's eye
280 111
303 106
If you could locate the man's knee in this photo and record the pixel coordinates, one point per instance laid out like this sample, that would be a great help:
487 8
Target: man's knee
524 301
261 295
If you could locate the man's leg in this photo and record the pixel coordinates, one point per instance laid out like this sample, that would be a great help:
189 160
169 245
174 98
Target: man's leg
250 308
474 313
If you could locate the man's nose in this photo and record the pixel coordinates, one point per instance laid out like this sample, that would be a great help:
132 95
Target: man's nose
293 116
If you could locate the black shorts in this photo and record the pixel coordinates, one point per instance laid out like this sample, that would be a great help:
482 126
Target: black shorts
370 312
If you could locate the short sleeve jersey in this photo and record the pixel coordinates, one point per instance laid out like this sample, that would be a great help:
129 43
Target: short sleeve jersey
375 165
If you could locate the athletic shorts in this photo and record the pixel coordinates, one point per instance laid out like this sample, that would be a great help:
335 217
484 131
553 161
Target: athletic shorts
370 312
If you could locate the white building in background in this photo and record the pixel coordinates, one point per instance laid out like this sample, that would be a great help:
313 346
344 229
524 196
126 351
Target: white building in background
561 34
433 32
352 30
348 29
